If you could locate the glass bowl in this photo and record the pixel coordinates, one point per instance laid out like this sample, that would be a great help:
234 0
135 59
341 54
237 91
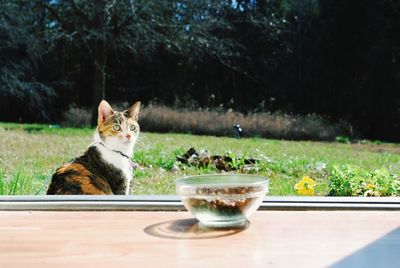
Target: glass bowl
222 200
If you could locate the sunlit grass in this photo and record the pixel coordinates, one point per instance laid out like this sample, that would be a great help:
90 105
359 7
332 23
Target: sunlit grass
30 154
20 184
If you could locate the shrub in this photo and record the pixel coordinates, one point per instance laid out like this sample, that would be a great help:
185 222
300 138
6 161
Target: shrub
77 117
159 118
342 139
351 180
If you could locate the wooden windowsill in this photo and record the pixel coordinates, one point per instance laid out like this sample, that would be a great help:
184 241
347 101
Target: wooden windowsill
154 231
174 239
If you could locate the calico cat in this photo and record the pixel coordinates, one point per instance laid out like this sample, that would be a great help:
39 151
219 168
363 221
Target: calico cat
105 168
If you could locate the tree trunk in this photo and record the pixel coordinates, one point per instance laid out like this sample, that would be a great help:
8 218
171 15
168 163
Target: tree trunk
100 58
99 79
299 52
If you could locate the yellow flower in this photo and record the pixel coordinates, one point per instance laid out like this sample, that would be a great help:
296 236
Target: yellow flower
370 186
305 186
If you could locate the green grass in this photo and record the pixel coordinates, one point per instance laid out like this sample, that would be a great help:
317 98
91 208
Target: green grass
29 154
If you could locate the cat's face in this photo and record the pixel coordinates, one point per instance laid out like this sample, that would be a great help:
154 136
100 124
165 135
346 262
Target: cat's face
120 127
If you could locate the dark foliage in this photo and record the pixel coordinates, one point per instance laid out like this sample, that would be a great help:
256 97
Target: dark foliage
339 59
21 94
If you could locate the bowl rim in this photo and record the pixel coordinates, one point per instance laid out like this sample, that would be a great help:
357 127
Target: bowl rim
183 181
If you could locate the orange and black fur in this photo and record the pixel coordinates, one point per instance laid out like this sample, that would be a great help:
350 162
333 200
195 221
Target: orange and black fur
105 168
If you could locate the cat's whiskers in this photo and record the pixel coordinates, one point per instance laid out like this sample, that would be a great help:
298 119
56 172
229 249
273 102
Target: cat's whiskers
140 140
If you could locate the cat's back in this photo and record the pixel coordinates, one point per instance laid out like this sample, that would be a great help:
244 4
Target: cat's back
82 176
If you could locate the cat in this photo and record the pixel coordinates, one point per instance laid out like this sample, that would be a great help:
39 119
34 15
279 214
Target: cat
105 168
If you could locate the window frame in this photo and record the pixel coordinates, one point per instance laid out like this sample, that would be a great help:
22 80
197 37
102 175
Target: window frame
174 203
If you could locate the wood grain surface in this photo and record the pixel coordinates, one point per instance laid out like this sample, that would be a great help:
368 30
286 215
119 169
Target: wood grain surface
174 239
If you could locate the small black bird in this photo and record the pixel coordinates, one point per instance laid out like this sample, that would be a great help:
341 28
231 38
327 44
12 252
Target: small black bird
237 131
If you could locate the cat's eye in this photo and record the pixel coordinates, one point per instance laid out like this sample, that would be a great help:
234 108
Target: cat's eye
133 127
117 127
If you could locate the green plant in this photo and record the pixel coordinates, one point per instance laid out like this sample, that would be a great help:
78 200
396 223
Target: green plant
2 190
350 180
342 139
237 162
17 184
21 184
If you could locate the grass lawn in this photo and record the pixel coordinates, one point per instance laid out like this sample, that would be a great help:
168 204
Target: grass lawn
29 154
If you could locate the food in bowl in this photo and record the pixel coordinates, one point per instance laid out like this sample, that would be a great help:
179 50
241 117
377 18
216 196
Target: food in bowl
222 200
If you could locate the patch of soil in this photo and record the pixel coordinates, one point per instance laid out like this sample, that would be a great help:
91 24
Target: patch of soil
222 163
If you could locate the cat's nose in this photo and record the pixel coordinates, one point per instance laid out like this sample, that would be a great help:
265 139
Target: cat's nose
128 136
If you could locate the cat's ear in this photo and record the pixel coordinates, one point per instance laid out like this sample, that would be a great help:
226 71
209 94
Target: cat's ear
133 112
105 111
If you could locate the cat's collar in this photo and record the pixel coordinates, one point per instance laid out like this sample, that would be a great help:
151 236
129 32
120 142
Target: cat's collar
132 164
115 151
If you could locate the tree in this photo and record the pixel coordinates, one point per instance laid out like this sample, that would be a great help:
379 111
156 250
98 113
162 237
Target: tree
136 27
20 54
